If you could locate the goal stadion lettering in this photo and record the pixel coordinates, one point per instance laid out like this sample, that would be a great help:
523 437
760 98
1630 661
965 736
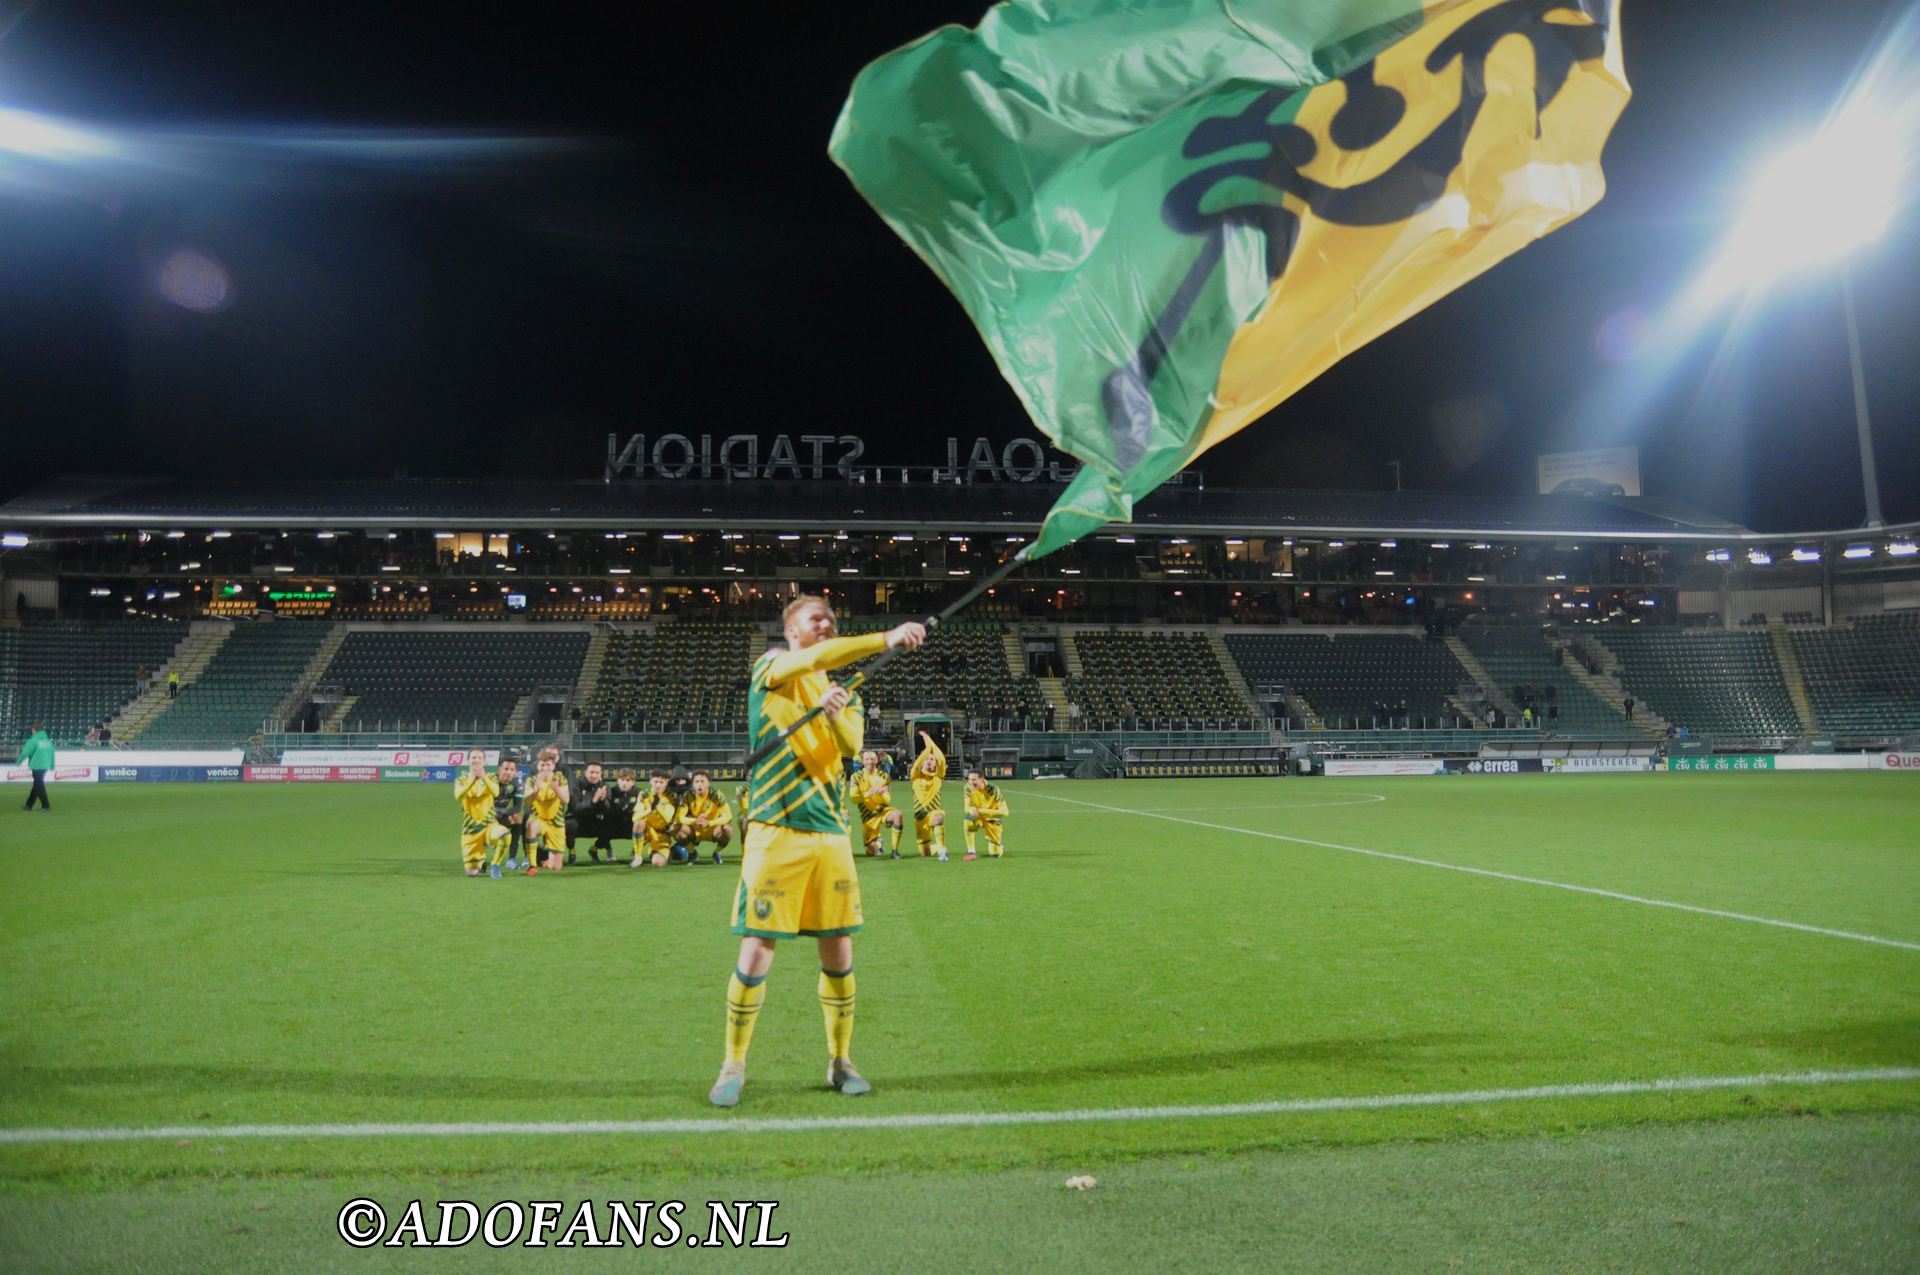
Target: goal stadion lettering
1020 460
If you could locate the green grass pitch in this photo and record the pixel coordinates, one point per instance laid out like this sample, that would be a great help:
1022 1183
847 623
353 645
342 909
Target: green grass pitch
209 957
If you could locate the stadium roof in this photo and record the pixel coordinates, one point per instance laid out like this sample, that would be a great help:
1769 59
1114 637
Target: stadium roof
880 505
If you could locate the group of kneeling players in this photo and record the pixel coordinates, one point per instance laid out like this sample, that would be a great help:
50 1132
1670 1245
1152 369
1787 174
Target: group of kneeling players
514 822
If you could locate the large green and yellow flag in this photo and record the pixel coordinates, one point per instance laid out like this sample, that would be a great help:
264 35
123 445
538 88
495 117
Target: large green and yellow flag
1166 216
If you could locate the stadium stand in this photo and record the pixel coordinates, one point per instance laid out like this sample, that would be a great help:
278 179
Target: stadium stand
1711 681
396 607
245 679
1864 679
962 670
1152 676
674 676
73 676
1521 657
1344 677
449 678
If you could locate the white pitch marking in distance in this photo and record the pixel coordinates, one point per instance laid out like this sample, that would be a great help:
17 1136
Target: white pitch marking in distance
1501 876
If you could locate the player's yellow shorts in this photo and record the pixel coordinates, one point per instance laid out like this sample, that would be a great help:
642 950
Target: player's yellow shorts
652 841
552 838
872 826
795 883
923 825
473 845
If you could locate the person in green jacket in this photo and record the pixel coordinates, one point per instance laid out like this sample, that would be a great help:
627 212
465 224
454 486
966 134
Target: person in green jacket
37 755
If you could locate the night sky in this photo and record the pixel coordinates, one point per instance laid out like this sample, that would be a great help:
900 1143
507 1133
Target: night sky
681 256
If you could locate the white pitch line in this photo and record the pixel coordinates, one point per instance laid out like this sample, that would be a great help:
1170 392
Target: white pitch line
1366 799
955 1119
1502 876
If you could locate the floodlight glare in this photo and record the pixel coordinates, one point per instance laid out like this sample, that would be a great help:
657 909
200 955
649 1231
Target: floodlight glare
1825 197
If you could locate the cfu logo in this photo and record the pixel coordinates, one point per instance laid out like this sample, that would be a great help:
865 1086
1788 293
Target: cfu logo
762 908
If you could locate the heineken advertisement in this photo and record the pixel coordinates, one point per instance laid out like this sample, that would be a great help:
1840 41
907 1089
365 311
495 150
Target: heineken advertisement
1728 761
1167 218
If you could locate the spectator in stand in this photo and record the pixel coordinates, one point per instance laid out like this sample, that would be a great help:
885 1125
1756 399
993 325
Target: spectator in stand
173 684
1627 704
1046 719
1553 715
143 679
92 736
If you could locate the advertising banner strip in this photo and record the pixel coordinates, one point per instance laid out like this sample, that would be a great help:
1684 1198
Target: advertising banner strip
58 775
383 756
1376 768
1723 762
170 774
1597 765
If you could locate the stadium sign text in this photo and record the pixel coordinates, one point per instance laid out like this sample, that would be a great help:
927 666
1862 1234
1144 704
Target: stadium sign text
1020 460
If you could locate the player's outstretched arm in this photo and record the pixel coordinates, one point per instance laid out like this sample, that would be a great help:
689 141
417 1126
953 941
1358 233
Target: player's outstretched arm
839 652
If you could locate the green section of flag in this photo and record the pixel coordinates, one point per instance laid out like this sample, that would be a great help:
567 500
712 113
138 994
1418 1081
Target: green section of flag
1027 162
1118 190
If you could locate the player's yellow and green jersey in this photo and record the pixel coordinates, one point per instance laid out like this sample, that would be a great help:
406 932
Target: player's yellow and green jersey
654 814
475 795
986 809
872 792
986 803
545 803
800 785
712 807
926 788
872 796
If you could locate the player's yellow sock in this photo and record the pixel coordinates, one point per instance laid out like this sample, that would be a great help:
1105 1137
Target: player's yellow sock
836 1002
899 829
967 832
745 995
500 849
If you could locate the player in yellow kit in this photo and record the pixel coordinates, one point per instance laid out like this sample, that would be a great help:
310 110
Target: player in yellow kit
873 797
986 810
797 876
547 799
929 820
654 816
475 791
704 816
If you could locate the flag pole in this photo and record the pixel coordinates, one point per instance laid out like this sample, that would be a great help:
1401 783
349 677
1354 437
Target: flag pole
887 656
